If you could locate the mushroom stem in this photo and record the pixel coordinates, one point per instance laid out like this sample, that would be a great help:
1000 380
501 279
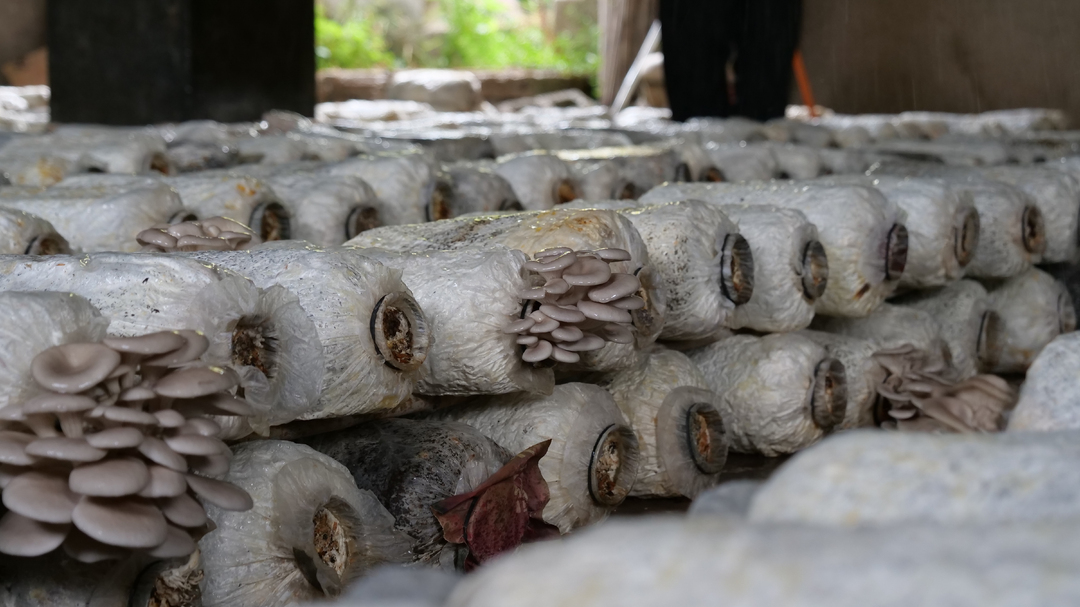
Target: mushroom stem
71 424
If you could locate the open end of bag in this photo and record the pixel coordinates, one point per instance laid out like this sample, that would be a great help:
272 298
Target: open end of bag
896 252
47 244
271 221
705 438
361 219
255 344
828 401
737 269
399 331
967 237
815 270
612 469
1034 231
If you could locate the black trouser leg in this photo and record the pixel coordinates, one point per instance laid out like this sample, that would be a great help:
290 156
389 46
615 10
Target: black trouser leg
765 43
696 38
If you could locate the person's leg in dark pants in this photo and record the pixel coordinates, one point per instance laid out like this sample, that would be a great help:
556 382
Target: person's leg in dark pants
765 44
696 36
699 37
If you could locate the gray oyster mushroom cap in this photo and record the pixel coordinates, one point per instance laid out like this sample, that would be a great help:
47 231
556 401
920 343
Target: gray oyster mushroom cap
247 200
718 560
878 478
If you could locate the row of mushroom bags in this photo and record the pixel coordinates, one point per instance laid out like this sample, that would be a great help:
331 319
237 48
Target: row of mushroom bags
260 364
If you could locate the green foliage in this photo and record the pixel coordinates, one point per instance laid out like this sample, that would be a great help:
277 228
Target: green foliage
478 36
353 44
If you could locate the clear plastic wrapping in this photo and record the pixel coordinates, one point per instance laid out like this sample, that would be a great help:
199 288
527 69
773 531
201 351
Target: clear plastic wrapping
942 223
779 393
1034 309
311 532
593 459
1048 398
24 234
540 180
346 297
707 266
247 200
535 231
410 465
862 232
676 418
263 334
974 332
98 212
469 296
672 560
864 374
405 180
32 322
872 478
1012 230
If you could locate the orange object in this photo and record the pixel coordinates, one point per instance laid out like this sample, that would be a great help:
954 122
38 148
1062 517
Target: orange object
803 81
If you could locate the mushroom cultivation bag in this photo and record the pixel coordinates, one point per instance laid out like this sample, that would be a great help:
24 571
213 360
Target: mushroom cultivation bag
372 334
705 263
1057 195
416 468
738 162
637 562
99 212
310 533
405 180
263 334
779 393
32 322
1048 399
1034 309
640 167
863 372
942 223
327 210
476 188
794 161
873 478
676 418
593 459
973 330
25 234
244 199
536 231
46 159
540 180
469 296
1012 228
862 232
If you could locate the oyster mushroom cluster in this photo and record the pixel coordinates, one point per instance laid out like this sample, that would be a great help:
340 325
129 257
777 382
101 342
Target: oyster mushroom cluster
213 234
580 305
108 458
918 394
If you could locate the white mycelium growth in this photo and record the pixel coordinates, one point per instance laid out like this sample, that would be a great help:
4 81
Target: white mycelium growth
580 305
213 234
109 457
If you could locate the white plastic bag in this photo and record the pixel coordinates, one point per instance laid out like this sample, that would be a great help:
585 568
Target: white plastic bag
25 234
1034 309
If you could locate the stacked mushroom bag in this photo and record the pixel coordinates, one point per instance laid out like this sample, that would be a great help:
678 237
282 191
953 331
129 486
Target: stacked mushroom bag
477 188
405 180
1057 195
640 167
1048 395
469 297
24 234
371 335
34 322
458 496
676 418
264 334
739 162
865 375
592 462
240 198
540 180
705 263
942 223
870 478
1034 309
533 232
862 232
310 532
44 160
779 393
923 390
719 560
1012 230
99 212
327 210
106 458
